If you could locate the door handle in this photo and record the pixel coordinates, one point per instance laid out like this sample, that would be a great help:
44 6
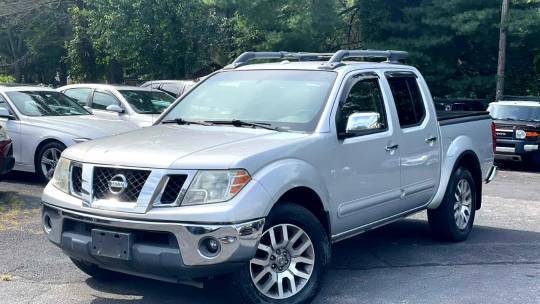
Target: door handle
431 139
390 148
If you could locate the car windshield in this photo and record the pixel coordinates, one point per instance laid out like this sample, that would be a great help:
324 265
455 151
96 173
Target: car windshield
147 102
45 103
515 112
291 100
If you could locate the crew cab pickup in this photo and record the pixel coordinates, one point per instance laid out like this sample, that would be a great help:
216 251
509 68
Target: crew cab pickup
258 169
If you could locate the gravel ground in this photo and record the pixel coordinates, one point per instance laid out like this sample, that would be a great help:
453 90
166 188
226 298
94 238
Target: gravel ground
399 263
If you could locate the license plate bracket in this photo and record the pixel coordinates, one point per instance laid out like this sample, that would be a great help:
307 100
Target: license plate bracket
111 244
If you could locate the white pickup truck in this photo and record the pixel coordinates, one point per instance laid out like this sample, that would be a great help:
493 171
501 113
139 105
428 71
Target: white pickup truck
261 167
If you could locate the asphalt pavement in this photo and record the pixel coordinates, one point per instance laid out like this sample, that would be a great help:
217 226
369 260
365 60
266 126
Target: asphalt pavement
398 263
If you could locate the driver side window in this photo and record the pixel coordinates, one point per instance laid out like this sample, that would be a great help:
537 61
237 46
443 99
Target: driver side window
364 99
102 100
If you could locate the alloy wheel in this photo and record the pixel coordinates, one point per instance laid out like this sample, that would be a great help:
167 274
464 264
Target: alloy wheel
284 261
463 204
48 161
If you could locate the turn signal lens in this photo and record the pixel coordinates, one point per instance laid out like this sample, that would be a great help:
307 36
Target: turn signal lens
532 134
240 179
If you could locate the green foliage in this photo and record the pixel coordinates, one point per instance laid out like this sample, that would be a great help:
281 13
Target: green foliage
453 42
6 78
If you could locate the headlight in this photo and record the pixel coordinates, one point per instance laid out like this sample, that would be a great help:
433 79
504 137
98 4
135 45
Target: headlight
215 186
61 175
80 140
3 134
520 134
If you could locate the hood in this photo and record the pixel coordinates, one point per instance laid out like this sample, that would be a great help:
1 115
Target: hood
180 147
83 126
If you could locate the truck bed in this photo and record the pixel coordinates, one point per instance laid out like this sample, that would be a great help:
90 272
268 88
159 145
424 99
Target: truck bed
455 117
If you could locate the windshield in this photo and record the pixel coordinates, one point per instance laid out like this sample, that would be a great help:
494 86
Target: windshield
514 112
291 100
147 102
45 103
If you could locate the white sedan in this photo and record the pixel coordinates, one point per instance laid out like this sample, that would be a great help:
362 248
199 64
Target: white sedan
141 106
43 122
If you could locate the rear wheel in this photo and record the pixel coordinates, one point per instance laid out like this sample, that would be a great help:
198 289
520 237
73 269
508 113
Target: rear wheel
47 158
290 259
454 218
95 272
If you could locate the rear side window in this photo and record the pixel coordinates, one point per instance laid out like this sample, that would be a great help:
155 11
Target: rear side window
172 88
80 95
408 100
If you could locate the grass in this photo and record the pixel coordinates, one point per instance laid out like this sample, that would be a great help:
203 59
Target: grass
15 212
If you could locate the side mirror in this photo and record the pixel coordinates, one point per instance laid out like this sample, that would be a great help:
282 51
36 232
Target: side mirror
4 113
114 108
363 122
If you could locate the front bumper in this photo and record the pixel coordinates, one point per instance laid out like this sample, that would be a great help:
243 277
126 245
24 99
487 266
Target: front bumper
515 149
168 251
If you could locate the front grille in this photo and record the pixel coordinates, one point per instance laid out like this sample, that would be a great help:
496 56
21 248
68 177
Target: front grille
505 133
134 182
172 190
76 179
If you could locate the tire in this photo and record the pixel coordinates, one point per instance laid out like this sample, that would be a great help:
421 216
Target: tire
99 274
48 151
447 221
296 220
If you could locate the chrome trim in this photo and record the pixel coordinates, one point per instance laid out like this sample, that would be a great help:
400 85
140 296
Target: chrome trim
238 241
148 198
70 181
530 148
505 150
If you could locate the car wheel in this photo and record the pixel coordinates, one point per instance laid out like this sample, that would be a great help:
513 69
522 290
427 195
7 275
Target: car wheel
454 218
95 272
290 260
47 158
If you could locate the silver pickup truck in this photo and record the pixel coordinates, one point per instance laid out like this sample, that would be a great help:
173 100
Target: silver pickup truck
261 167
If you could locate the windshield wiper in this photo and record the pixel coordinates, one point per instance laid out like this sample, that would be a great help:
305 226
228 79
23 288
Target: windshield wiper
242 123
180 121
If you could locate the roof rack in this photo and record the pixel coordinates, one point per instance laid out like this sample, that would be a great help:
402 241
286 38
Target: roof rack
334 61
246 57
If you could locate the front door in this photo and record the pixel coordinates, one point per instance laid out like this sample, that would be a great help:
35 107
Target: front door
419 142
13 128
367 183
101 100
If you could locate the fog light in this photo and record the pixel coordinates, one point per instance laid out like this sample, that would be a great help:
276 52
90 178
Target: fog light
47 223
209 247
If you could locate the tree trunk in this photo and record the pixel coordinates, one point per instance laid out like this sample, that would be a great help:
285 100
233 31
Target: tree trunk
502 51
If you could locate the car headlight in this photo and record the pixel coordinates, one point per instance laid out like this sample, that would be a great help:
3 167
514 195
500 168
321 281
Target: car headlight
520 134
215 186
3 134
61 175
80 140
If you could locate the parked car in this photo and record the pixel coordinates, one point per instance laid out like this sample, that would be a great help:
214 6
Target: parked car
460 104
6 153
172 87
261 167
141 106
42 123
517 129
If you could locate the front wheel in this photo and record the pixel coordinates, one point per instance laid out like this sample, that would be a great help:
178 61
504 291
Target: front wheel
290 259
47 158
453 219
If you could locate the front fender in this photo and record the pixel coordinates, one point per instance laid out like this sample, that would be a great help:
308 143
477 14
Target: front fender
281 176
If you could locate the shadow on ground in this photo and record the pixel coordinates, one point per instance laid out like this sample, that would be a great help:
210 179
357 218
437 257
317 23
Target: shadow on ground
404 244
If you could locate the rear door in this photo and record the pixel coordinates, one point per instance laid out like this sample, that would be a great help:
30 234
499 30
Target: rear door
419 144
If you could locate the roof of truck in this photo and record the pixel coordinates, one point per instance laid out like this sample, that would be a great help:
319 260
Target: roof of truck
524 103
316 66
